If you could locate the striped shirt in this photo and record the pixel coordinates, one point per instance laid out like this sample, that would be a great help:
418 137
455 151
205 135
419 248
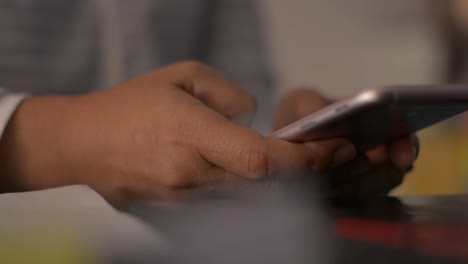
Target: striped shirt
77 46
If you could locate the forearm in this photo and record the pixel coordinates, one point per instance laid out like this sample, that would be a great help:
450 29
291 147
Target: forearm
31 147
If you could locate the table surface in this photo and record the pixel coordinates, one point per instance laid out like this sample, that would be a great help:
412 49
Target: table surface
404 230
262 228
430 229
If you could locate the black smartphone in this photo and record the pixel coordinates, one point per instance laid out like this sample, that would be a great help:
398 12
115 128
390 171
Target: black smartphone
375 117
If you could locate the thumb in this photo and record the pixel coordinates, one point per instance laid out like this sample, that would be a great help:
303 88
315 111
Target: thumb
246 153
315 155
212 88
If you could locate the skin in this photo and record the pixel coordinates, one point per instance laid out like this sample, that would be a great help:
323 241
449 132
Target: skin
376 172
459 9
151 138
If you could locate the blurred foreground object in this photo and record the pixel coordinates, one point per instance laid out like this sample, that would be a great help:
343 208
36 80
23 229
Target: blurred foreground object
286 221
287 225
274 222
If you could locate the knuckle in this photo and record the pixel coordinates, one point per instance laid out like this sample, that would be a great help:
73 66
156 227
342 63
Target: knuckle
307 106
194 67
318 159
256 162
303 90
177 179
251 102
245 108
305 94
177 174
303 102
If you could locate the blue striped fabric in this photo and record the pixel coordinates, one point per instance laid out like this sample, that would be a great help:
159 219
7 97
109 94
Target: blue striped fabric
38 43
57 46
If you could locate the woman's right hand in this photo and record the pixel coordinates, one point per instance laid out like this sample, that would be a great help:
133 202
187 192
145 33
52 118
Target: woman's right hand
149 137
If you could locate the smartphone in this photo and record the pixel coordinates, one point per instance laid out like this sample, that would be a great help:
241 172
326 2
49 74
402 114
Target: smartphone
375 117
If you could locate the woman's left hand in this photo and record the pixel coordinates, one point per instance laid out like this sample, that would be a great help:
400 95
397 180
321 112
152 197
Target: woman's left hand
375 172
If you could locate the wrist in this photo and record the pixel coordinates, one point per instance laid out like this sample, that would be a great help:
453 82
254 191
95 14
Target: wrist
33 144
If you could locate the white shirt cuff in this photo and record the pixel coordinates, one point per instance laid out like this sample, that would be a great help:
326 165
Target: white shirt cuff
8 105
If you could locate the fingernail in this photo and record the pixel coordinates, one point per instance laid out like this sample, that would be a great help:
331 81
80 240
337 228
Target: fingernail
415 146
344 154
410 169
415 153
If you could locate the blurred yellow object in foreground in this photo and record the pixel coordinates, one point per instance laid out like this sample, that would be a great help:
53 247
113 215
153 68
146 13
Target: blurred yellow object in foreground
34 246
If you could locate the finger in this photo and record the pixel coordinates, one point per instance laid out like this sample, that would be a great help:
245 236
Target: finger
198 177
210 87
213 175
245 152
351 172
296 105
379 155
221 182
380 181
217 180
315 155
402 153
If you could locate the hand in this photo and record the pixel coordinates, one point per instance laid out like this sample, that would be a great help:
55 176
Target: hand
163 132
376 172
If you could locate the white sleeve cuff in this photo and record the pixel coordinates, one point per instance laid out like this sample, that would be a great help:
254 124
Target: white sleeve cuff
8 105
